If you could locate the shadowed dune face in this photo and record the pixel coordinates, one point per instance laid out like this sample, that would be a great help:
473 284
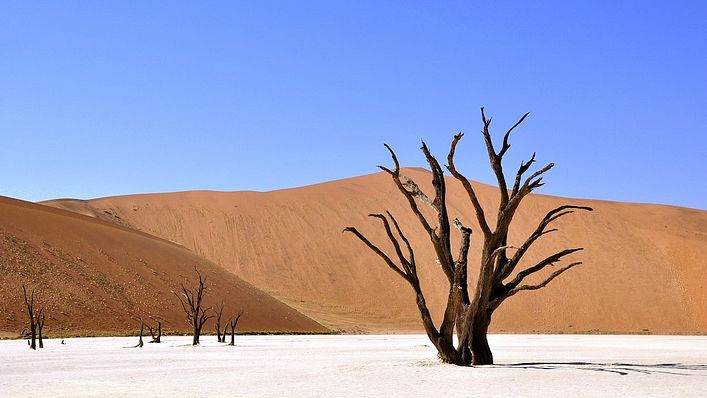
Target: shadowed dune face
95 277
643 271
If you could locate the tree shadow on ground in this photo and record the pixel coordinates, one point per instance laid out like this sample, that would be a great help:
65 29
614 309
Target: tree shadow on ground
620 368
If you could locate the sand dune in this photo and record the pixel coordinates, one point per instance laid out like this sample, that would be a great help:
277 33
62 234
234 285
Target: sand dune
93 277
644 265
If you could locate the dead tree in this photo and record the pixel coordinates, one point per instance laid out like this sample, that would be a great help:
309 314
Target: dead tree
219 314
225 330
40 327
142 329
500 273
232 322
192 304
29 303
156 338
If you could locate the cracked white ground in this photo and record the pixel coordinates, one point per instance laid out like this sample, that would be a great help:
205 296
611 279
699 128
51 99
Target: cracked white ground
357 365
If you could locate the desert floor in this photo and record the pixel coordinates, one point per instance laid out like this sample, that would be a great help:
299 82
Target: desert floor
356 365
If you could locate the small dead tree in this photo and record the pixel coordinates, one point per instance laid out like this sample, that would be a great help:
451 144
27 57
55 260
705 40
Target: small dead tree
156 338
29 303
142 329
225 331
192 304
217 321
40 327
233 322
500 272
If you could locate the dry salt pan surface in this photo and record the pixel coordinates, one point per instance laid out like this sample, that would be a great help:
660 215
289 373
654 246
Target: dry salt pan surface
359 366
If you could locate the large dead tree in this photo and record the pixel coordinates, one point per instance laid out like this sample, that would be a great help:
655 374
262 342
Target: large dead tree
501 273
192 304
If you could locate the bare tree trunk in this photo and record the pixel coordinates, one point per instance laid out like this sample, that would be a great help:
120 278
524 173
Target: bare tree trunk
29 303
40 327
480 349
156 338
196 334
217 325
233 323
142 329
225 331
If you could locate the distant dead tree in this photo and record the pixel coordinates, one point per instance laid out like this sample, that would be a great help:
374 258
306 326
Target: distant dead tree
142 329
219 313
192 304
500 272
156 337
36 319
233 322
40 327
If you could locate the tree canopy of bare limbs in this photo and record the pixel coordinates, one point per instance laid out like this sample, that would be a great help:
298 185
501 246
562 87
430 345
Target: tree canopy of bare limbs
500 274
192 304
36 320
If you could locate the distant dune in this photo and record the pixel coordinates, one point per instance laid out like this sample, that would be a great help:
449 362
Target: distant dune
94 277
644 265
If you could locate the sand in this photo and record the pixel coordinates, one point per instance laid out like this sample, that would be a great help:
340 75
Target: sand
97 278
644 265
357 366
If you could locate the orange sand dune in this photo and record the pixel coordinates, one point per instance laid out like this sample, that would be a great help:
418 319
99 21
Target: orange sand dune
95 277
644 265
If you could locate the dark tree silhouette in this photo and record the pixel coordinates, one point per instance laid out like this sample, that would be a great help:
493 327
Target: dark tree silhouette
500 272
233 322
40 327
29 304
156 338
192 304
142 329
219 313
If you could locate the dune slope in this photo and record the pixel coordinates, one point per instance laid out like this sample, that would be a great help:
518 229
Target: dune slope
95 277
643 264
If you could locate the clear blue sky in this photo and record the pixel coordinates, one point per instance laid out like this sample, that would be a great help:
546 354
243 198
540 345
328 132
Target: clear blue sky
108 98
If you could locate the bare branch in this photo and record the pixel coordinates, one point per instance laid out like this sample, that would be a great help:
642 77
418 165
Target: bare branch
396 245
545 282
441 241
417 192
395 174
495 159
506 145
531 184
378 251
541 265
438 182
519 174
551 216
411 253
480 216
